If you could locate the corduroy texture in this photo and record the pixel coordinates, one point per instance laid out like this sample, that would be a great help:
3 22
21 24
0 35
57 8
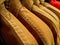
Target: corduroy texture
57 12
19 31
42 24
40 12
33 21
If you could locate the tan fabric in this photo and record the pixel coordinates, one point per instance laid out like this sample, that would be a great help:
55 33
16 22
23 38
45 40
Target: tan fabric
48 11
1 1
36 23
57 12
23 36
42 21
37 2
41 13
42 1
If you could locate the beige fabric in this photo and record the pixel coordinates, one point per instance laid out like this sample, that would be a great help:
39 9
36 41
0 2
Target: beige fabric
48 11
42 1
42 14
57 12
41 11
1 1
23 36
52 8
37 2
29 4
57 24
58 41
36 23
51 20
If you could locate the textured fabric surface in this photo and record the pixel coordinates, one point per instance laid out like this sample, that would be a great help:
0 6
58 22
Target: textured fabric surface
39 15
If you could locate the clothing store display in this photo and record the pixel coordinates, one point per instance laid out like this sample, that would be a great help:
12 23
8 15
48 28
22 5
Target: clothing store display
29 22
33 21
23 36
52 8
57 12
38 11
51 13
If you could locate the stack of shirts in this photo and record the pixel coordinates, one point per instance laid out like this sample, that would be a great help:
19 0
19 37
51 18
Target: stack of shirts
29 22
